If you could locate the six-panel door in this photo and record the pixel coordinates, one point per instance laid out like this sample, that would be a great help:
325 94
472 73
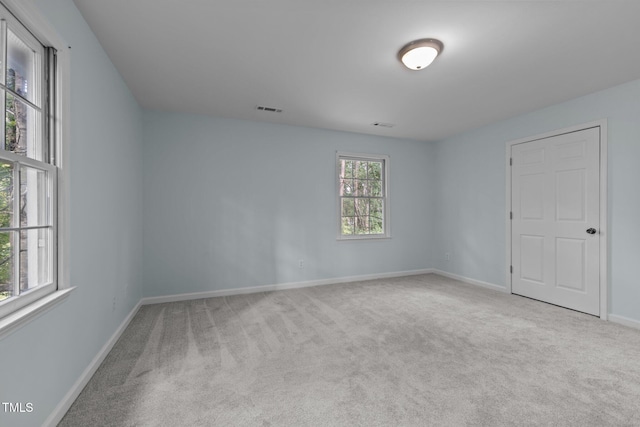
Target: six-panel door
555 202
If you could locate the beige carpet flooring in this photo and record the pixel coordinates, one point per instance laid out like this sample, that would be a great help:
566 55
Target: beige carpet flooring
413 351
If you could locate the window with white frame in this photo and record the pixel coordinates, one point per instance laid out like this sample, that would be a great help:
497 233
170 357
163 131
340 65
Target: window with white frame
28 175
363 208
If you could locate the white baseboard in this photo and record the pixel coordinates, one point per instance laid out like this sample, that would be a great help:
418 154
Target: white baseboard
278 287
621 320
471 281
58 413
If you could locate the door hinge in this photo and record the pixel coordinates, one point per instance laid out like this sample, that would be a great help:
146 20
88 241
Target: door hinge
511 269
510 215
510 161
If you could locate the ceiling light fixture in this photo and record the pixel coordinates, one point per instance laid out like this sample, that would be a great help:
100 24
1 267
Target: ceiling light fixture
420 53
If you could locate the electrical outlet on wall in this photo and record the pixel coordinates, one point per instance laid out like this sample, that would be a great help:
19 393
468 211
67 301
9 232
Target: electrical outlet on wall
447 256
301 263
114 304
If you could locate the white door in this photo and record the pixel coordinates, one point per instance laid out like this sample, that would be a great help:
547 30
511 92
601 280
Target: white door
555 184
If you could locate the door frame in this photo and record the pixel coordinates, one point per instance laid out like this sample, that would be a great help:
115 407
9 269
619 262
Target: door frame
604 235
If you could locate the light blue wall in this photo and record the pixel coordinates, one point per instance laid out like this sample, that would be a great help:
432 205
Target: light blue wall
42 360
470 191
233 203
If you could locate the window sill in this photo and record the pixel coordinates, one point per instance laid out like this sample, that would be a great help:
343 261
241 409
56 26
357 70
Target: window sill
17 319
361 238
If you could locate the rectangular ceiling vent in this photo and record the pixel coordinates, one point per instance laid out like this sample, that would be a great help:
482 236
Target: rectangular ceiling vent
269 109
383 125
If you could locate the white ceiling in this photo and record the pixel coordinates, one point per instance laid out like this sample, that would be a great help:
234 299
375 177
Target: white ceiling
332 63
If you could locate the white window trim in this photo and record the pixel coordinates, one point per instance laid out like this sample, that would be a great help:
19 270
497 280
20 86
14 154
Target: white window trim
387 217
29 15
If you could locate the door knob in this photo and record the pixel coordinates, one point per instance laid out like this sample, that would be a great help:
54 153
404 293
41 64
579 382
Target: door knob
591 231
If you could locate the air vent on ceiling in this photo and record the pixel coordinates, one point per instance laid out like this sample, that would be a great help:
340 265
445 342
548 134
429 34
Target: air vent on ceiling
383 125
269 109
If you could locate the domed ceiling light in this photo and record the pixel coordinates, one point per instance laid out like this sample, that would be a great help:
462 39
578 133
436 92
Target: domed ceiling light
420 54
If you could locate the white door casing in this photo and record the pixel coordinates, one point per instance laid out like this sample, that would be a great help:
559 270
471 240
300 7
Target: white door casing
555 199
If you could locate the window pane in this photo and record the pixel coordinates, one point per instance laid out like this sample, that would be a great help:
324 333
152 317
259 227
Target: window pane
360 170
347 187
361 187
20 67
362 216
6 264
34 197
6 194
347 225
347 207
375 208
22 129
376 226
375 188
362 225
362 207
375 169
35 266
346 168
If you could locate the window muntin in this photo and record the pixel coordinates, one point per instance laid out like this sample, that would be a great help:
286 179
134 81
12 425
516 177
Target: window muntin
362 196
28 204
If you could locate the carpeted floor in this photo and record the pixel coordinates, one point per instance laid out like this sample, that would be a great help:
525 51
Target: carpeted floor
420 350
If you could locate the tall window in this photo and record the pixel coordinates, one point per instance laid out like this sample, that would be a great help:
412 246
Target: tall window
27 174
362 193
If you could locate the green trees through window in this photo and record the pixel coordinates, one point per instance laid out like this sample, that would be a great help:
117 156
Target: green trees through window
6 214
362 196
15 141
